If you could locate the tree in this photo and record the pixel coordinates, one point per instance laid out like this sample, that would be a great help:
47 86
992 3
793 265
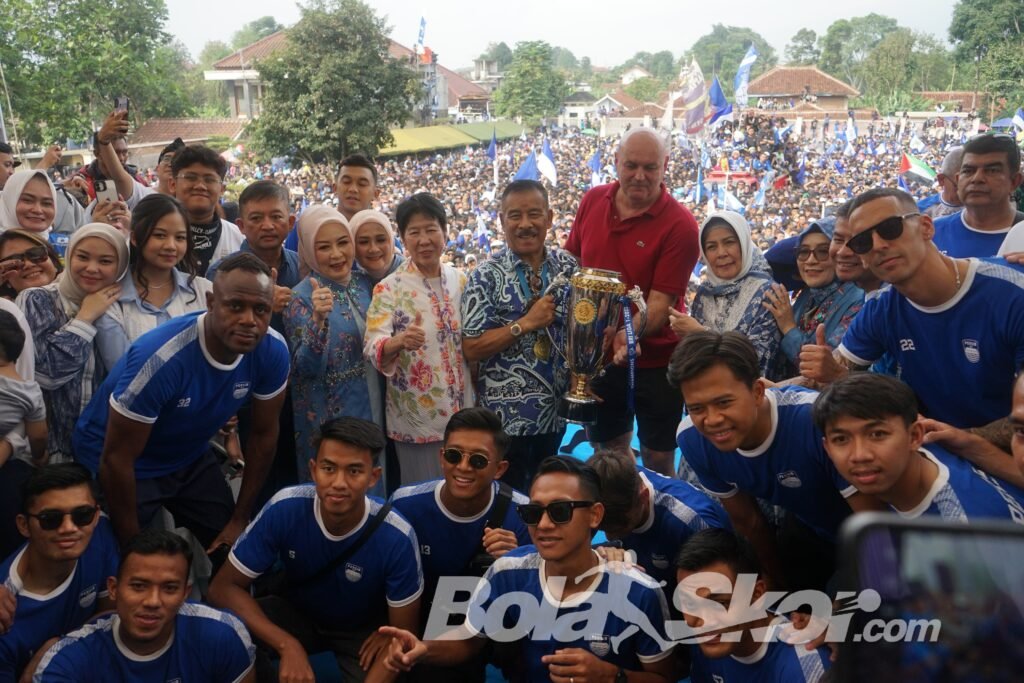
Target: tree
325 102
661 65
563 59
500 53
848 42
645 89
888 68
801 49
532 87
66 61
988 36
254 30
721 51
208 97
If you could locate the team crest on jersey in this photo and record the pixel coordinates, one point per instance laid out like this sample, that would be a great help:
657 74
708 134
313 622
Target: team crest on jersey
971 350
789 479
353 572
717 679
599 644
88 596
659 561
241 389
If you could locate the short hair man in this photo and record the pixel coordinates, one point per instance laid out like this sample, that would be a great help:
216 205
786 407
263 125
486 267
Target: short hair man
963 316
163 166
7 163
635 227
563 574
650 514
505 314
745 441
454 517
154 636
873 436
948 200
719 551
988 176
147 428
198 183
306 527
110 147
59 576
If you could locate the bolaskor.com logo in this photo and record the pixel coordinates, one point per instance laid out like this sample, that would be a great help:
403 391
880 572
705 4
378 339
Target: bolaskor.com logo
515 615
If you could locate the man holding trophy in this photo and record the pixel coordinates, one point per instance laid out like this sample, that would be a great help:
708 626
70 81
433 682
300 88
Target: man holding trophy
505 316
635 228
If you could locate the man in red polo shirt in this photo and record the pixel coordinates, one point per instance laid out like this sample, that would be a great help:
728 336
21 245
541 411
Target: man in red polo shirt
635 227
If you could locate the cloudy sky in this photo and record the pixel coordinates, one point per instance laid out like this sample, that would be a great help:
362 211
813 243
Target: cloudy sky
608 32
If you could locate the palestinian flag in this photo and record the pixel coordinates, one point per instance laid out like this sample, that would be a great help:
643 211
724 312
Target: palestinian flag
911 164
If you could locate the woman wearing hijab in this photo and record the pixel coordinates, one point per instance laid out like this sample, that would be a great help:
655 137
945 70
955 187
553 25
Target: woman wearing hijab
375 244
823 309
62 316
29 202
325 323
737 279
26 260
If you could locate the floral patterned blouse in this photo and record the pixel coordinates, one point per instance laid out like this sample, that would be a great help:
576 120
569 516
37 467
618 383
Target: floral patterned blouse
427 386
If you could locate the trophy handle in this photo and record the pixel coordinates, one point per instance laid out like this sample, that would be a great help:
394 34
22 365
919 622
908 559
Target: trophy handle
557 288
637 298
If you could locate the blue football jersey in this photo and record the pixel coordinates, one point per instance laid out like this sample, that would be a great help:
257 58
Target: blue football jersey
955 238
773 662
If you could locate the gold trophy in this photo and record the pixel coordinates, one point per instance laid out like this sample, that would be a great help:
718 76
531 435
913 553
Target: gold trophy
593 309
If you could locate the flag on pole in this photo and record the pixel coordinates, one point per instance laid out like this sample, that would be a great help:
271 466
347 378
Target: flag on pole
743 76
700 185
595 169
721 110
911 164
423 31
666 118
492 149
902 184
801 174
528 169
695 97
1018 118
546 163
916 143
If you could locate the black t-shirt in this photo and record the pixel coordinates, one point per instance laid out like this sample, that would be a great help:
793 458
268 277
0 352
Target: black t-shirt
205 237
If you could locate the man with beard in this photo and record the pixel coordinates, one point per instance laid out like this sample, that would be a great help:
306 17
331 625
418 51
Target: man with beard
505 314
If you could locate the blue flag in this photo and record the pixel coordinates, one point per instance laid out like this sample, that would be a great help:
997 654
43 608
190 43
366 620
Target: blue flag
902 184
595 169
743 76
528 169
423 31
721 110
492 150
801 173
1018 118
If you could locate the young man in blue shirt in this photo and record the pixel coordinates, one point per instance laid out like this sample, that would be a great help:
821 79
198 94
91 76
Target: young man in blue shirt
59 576
307 528
875 440
147 429
565 582
154 636
760 658
452 516
745 442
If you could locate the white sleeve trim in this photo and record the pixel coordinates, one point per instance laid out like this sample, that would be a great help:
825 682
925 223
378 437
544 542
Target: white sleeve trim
727 494
850 356
267 397
135 417
848 491
245 673
409 600
82 329
237 564
650 659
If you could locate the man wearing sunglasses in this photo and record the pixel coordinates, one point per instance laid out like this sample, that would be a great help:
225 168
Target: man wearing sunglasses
566 582
453 516
988 176
59 576
954 326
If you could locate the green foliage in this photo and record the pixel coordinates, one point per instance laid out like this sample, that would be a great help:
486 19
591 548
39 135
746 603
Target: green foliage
334 89
500 53
721 51
893 103
645 89
564 59
532 87
847 44
661 65
989 39
66 61
254 30
801 50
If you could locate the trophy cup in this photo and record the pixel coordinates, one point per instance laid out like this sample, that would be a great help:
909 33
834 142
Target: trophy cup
593 310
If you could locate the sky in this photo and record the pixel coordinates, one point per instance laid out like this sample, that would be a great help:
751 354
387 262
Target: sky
608 32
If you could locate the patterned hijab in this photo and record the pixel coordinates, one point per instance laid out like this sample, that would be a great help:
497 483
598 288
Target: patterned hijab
310 222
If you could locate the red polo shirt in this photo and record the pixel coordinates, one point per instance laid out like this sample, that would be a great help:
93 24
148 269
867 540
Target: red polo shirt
655 250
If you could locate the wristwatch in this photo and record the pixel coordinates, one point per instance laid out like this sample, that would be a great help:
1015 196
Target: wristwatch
620 676
516 329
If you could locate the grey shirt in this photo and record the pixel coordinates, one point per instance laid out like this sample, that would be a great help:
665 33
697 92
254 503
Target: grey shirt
20 401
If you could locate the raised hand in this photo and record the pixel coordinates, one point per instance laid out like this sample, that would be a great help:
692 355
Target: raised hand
414 337
817 362
282 295
96 304
323 301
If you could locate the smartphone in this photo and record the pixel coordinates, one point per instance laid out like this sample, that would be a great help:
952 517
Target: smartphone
122 103
105 189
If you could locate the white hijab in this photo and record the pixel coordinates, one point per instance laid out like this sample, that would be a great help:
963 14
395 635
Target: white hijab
742 229
12 192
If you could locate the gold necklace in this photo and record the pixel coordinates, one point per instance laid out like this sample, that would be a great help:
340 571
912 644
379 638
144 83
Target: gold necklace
956 272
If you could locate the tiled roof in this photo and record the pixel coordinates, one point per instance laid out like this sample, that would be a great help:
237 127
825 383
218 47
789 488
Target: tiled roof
258 50
157 131
458 86
626 101
786 81
580 97
646 109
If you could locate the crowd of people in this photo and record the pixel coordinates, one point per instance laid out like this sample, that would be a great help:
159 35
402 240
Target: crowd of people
342 386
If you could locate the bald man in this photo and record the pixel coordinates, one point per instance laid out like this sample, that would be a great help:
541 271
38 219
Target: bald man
635 227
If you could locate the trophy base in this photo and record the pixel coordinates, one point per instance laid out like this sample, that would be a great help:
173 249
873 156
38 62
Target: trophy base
577 412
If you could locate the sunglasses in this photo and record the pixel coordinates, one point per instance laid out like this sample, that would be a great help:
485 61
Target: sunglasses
559 512
50 520
33 254
820 253
477 461
889 229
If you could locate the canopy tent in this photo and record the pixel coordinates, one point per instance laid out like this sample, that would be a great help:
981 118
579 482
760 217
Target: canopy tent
1003 123
482 131
433 138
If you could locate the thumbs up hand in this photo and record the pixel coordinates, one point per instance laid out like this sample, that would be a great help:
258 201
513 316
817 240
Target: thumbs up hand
282 295
323 302
817 361
414 337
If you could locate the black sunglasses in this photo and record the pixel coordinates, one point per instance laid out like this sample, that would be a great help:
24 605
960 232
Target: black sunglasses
889 229
820 253
50 520
477 461
559 512
33 254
